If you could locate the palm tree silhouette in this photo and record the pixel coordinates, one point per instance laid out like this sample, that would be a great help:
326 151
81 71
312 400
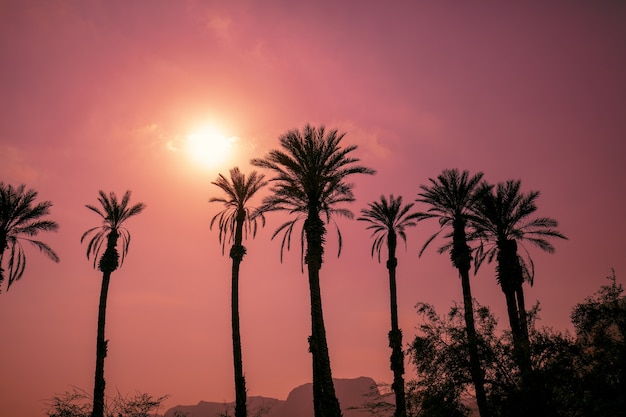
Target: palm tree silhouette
236 218
451 197
21 220
503 224
114 213
311 172
388 220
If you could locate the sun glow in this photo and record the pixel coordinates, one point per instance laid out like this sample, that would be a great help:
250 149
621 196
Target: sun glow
209 147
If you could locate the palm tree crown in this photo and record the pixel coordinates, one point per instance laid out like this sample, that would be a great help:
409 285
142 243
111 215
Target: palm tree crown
114 213
311 173
20 220
451 197
502 216
387 219
239 190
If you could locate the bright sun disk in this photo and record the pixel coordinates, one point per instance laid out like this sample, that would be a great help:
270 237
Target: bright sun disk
209 147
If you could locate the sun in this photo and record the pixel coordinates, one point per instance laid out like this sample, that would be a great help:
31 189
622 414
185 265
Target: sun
209 147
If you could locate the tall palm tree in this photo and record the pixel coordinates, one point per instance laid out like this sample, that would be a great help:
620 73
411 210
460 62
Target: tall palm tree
388 220
21 220
233 220
311 171
114 213
451 197
503 224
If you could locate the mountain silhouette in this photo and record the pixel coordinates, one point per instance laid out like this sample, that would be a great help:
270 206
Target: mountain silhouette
354 394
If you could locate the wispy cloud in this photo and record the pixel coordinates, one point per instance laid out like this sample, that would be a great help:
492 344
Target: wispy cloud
14 167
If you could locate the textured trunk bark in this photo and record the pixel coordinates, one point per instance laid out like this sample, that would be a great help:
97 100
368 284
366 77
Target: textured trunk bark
461 258
101 350
108 263
511 280
236 253
395 335
476 369
523 320
325 403
3 247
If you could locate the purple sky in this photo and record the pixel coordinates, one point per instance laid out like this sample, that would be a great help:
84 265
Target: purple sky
103 95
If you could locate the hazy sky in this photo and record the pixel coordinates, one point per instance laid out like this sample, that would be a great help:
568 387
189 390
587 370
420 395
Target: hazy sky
105 94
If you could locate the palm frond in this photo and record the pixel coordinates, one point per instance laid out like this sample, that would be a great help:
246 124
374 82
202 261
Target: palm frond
239 189
21 219
310 172
450 199
386 217
114 214
503 214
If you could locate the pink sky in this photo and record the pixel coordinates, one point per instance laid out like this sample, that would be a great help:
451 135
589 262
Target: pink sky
96 94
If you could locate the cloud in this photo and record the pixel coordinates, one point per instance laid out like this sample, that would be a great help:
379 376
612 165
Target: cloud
376 143
13 167
220 25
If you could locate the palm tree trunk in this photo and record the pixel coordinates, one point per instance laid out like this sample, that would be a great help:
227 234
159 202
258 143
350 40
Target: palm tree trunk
395 335
461 258
510 278
523 323
101 350
108 263
236 253
514 323
528 381
3 247
472 340
325 403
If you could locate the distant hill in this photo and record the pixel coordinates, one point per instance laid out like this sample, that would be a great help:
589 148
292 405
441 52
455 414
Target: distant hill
353 394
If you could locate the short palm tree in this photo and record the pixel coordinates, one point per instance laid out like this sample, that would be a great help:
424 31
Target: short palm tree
388 220
503 224
20 221
114 213
451 197
311 172
233 220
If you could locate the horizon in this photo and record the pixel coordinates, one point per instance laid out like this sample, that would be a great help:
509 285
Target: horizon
118 96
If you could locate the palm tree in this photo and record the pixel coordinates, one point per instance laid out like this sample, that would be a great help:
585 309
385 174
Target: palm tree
114 213
233 221
21 220
451 197
388 220
311 172
503 224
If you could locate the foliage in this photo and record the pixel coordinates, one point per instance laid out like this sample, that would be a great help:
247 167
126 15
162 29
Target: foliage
114 213
239 190
600 324
571 377
502 215
450 197
77 403
378 401
311 173
259 411
387 218
21 220
439 354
